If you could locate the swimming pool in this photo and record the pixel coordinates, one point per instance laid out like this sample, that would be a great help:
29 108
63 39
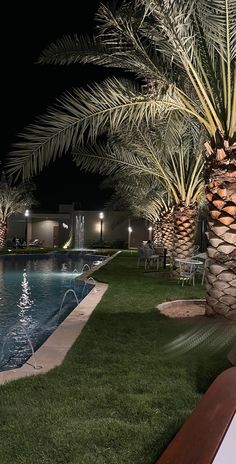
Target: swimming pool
32 290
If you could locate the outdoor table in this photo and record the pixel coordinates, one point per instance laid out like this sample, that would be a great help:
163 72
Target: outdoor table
200 256
193 263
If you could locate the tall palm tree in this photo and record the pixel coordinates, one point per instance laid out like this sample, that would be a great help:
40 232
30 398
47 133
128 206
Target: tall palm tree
176 163
13 199
166 225
185 52
143 198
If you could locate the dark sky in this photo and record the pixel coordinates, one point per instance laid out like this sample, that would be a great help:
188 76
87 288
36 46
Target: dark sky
27 90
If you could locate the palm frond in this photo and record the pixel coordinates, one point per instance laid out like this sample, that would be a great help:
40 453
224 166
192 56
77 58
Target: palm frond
83 113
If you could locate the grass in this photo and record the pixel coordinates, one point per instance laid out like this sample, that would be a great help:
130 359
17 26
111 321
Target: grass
118 397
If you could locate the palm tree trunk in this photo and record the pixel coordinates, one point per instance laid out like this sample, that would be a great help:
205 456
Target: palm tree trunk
3 233
221 262
167 227
185 230
157 233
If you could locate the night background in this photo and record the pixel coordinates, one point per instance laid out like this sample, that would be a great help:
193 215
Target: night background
28 89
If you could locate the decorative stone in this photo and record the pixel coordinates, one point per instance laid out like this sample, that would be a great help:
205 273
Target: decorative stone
182 308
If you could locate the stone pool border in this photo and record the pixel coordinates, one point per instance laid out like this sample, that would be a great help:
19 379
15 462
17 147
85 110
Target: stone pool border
53 351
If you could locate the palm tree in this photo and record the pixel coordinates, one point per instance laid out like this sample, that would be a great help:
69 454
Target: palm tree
185 52
13 199
175 163
153 204
141 197
166 225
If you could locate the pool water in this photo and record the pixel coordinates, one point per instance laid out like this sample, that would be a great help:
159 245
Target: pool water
31 293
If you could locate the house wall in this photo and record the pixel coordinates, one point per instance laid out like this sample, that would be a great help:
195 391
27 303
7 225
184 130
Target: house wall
115 228
43 230
16 227
139 232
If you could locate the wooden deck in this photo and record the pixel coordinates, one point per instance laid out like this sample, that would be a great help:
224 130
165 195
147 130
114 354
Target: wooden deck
200 437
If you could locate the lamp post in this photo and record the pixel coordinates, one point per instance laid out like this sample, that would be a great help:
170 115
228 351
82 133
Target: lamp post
150 233
101 216
26 224
130 230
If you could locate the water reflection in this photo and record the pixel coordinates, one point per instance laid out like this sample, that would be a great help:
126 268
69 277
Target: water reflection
25 303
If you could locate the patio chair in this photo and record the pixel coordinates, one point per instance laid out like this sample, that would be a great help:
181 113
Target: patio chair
186 271
148 257
201 270
161 251
35 243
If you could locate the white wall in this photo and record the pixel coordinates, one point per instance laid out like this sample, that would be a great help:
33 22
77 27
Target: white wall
43 230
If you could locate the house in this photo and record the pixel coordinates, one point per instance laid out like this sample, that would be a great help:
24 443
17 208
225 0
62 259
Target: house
79 229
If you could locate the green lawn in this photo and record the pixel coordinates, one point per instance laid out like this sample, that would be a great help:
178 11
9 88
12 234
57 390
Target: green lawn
119 397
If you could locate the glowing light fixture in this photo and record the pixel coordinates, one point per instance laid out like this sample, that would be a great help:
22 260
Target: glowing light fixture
150 233
101 216
130 230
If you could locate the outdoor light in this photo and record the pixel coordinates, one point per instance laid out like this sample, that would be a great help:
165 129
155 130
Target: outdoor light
101 216
130 230
150 233
26 224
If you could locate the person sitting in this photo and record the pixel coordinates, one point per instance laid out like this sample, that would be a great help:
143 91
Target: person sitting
22 242
14 242
149 246
149 254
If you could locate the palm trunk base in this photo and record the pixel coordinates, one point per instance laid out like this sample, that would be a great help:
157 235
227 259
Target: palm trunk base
3 234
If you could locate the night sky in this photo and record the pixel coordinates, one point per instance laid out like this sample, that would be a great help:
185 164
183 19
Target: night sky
28 89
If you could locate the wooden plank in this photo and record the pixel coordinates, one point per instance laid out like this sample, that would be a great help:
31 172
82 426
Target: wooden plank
199 438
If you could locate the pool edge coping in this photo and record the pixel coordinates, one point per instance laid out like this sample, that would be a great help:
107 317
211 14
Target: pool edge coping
54 350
